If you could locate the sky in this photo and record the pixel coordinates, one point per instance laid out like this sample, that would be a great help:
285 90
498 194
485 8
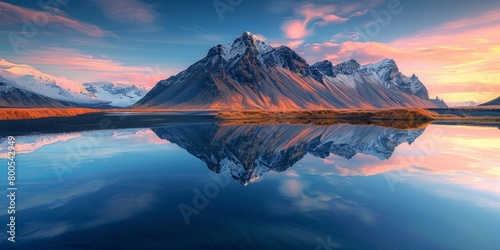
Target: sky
452 46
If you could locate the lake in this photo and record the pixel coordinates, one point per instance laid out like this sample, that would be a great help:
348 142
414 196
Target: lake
200 184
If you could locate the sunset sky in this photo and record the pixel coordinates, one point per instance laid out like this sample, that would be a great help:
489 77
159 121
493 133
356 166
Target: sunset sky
453 46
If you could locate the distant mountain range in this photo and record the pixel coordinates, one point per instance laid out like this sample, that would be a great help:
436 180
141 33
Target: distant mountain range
118 95
462 104
24 86
247 152
250 74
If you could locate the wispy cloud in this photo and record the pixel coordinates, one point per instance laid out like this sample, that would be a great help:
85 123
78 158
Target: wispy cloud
202 33
86 67
455 157
128 11
310 15
28 145
455 54
14 15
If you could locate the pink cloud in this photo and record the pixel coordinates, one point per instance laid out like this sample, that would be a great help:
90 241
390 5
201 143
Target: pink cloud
441 154
128 11
294 43
30 144
295 29
451 58
291 43
332 18
87 68
12 14
355 8
310 15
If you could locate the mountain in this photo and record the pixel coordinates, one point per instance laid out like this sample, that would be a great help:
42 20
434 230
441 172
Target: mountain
246 152
14 97
492 102
462 104
250 74
118 95
30 79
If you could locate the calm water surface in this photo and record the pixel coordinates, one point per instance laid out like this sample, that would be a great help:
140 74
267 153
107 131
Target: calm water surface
215 186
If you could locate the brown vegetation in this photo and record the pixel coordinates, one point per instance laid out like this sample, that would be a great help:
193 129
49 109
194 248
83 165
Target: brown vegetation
35 113
393 118
357 115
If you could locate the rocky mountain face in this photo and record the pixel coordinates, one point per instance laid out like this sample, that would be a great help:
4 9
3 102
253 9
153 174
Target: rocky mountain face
492 102
247 152
250 74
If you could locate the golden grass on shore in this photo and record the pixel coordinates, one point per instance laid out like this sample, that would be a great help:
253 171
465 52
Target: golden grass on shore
397 124
379 114
36 113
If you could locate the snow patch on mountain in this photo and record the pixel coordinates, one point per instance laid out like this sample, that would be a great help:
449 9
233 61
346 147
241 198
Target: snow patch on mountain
250 74
463 104
59 88
238 47
247 152
12 96
119 95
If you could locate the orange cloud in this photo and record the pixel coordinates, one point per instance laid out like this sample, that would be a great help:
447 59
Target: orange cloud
311 14
450 154
12 14
295 29
34 143
457 57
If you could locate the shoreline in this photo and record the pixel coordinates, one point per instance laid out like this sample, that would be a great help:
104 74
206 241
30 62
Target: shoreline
354 116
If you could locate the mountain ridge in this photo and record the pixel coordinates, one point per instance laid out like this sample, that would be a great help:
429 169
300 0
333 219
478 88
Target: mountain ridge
495 102
20 82
246 152
118 95
250 74
12 96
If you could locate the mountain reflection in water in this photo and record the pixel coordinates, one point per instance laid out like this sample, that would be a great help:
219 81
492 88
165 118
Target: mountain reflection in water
246 152
296 186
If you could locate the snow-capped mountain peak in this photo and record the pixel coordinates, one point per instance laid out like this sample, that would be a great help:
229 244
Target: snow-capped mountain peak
27 74
120 95
250 74
237 48
325 67
346 68
225 149
384 68
384 63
